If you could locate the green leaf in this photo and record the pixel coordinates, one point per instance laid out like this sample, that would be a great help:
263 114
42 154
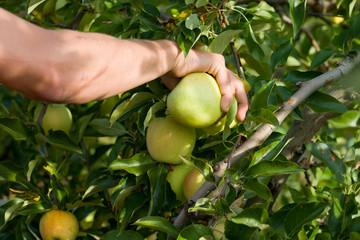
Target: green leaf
59 139
200 3
322 102
262 153
158 224
280 55
203 205
32 208
222 206
345 120
263 115
230 117
297 14
131 204
261 97
270 168
17 129
157 178
343 207
355 26
151 114
202 165
192 21
221 41
194 232
8 210
320 57
260 189
253 45
104 127
126 235
332 161
32 4
98 185
14 173
302 214
233 231
277 220
139 164
131 104
297 76
252 217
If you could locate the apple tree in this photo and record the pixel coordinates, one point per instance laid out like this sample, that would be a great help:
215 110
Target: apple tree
289 171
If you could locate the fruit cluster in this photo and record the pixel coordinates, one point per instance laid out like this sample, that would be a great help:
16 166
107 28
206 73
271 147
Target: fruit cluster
193 103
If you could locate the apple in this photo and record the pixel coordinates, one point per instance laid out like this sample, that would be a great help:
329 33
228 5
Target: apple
58 224
167 140
192 183
219 230
176 179
195 101
216 128
220 125
108 104
56 117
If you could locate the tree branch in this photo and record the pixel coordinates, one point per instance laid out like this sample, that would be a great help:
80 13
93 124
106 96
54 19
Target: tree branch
306 89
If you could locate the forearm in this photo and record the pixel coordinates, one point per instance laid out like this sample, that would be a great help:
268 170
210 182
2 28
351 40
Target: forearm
101 66
75 67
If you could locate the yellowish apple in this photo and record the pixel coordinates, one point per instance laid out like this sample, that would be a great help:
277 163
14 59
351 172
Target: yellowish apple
167 140
195 101
176 179
192 183
58 225
56 117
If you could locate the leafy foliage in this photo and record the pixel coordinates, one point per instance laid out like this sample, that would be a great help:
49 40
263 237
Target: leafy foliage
102 172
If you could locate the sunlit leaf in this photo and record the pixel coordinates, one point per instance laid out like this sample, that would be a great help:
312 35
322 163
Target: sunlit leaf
159 224
219 44
194 232
252 217
269 168
297 13
138 164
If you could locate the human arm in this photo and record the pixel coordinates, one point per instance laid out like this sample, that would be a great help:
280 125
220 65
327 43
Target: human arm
76 67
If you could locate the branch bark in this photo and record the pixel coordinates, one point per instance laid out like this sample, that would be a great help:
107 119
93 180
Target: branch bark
306 89
302 132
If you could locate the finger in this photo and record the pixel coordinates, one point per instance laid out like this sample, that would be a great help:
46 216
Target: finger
170 82
242 99
226 89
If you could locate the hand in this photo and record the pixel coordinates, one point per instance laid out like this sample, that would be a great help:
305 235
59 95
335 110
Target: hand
200 61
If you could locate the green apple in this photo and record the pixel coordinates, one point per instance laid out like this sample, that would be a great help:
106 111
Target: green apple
195 101
192 183
219 230
58 224
176 179
56 117
167 140
220 125
108 104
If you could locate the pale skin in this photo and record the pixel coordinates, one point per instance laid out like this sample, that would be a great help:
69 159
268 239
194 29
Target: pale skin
65 66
